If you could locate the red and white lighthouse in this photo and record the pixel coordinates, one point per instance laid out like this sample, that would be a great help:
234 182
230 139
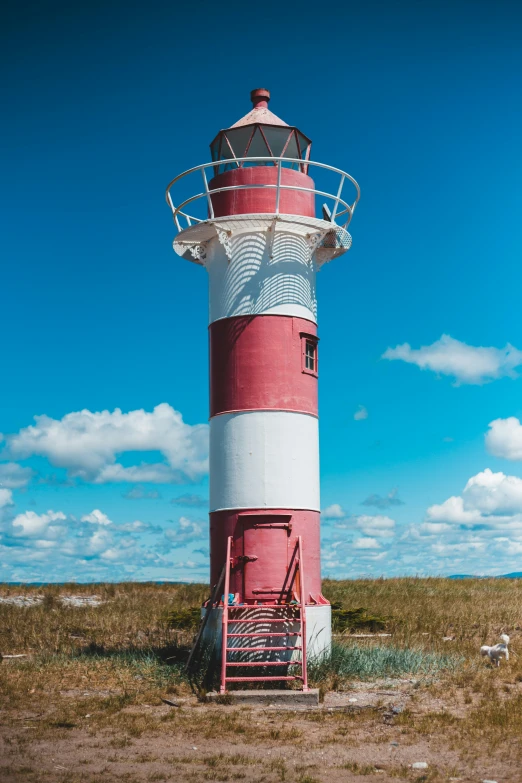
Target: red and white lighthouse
258 235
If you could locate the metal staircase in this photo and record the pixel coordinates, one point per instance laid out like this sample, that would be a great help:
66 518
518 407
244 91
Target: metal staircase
251 636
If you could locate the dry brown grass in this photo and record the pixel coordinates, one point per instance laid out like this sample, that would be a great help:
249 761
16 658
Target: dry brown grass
95 676
470 610
132 616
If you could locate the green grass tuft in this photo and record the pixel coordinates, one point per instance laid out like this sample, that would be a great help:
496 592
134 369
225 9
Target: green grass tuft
358 661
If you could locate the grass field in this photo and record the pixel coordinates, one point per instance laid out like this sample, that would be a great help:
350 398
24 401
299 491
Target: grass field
84 703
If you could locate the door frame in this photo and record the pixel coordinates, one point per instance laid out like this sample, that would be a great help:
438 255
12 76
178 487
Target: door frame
250 520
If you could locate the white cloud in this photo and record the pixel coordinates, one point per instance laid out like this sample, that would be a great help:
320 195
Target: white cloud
504 438
335 511
466 363
511 547
87 444
391 499
354 545
32 524
380 526
184 531
476 532
452 511
366 543
97 517
54 546
494 493
361 413
13 476
487 497
150 473
6 498
138 527
139 493
44 543
93 545
192 565
112 555
434 528
376 556
473 545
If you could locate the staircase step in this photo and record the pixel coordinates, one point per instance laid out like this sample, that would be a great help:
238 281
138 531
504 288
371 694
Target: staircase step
264 635
264 663
249 649
289 613
264 620
261 679
236 607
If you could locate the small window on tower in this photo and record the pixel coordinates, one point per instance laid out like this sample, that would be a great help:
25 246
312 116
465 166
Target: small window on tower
309 353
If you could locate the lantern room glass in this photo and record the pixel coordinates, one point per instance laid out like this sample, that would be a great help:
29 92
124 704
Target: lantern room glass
260 141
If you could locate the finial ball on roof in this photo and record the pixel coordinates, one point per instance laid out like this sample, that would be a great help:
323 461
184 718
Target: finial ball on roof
256 96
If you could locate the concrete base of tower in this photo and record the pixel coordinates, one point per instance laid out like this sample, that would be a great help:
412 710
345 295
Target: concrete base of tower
318 632
272 698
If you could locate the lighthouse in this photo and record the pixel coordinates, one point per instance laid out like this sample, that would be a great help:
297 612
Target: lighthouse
263 218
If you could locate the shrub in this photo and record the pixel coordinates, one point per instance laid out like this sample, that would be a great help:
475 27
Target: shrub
184 619
355 619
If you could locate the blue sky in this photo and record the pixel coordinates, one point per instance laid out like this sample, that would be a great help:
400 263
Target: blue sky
103 104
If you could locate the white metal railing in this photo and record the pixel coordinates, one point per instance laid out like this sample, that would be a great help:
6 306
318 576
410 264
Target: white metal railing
338 200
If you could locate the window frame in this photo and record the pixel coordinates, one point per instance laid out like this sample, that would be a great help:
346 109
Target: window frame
307 338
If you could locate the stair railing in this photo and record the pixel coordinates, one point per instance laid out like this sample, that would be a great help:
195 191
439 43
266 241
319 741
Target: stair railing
303 613
299 568
224 619
291 574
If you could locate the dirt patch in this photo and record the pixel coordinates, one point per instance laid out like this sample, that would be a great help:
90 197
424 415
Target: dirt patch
342 740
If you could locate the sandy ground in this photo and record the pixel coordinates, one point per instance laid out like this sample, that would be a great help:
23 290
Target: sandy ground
352 734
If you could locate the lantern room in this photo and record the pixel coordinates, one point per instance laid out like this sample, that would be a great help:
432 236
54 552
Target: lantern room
262 167
259 134
250 150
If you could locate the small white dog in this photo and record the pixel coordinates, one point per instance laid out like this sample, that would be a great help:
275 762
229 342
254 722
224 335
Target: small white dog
498 651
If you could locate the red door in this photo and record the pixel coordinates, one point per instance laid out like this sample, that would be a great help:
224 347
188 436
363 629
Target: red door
265 538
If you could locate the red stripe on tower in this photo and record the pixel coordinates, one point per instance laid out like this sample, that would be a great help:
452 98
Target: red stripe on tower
263 362
287 525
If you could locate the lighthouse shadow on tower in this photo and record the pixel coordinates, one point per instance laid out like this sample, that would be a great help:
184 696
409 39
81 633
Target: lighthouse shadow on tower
265 272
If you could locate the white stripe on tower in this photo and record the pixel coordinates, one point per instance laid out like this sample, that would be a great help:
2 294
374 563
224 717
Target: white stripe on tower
264 459
263 275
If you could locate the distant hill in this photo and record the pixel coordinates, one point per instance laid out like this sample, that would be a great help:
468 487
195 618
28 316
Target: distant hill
463 576
514 575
